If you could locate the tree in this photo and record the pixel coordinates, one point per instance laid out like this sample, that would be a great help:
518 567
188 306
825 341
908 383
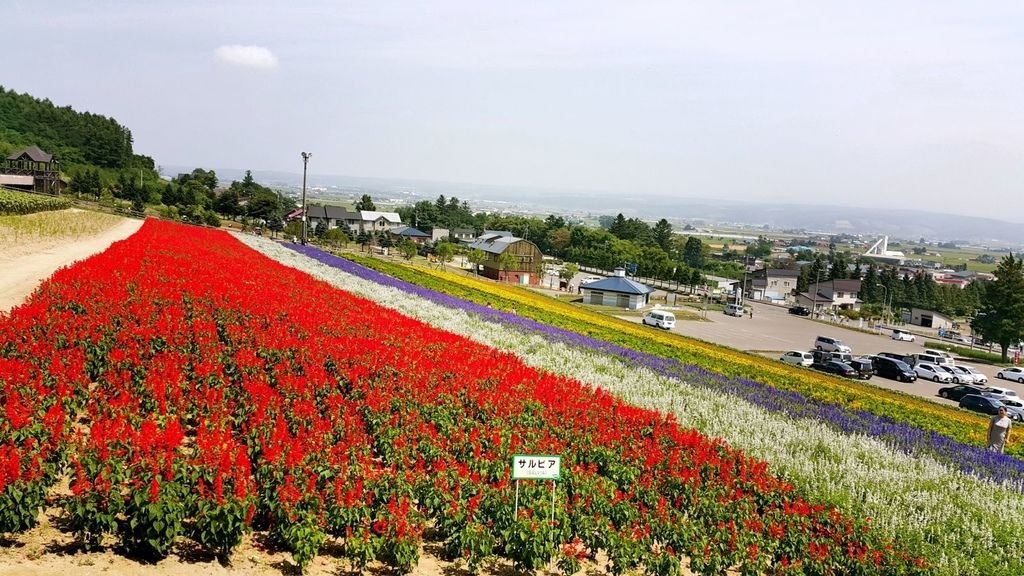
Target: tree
276 225
365 203
506 261
1001 319
569 271
444 251
693 252
227 203
696 279
476 257
663 235
407 248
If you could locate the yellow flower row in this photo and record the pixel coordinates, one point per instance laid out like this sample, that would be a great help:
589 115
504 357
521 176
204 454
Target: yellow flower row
923 413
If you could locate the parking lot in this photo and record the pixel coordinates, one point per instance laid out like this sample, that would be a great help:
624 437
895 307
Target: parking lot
772 330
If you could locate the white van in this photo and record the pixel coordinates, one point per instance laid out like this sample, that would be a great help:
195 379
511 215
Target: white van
659 319
734 310
933 359
942 353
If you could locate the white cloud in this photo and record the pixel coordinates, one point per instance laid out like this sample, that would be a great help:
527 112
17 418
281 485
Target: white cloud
246 56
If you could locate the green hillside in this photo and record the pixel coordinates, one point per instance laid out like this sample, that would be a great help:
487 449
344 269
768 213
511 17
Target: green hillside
75 138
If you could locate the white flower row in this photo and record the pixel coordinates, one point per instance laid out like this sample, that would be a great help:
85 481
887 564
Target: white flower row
958 521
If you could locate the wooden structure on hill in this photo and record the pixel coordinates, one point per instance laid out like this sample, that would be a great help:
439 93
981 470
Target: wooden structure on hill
32 169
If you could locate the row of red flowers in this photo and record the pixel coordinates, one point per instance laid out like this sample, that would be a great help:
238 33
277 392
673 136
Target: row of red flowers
193 388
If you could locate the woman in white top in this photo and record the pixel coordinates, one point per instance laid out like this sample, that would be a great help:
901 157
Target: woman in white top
998 431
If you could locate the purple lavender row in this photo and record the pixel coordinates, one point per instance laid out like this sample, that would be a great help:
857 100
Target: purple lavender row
907 438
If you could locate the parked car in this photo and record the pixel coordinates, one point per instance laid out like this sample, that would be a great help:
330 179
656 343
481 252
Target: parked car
979 378
965 375
1001 393
932 372
798 358
931 359
979 403
590 279
959 391
659 319
941 354
902 335
893 369
837 368
831 345
1014 408
864 366
822 357
1014 373
800 310
905 358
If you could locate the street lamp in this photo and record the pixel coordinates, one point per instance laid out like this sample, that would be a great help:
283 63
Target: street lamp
885 299
305 161
814 306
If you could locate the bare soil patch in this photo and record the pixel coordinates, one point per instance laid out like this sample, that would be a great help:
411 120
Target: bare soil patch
37 245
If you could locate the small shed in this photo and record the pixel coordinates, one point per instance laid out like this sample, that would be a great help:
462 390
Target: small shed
616 290
928 319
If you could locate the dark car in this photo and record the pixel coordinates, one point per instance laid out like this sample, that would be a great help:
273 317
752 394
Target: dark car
905 358
837 368
959 391
822 357
982 404
894 369
864 366
800 310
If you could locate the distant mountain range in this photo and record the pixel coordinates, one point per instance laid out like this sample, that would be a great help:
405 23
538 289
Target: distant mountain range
906 224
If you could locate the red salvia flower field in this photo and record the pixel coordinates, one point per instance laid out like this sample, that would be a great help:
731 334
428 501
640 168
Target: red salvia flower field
192 388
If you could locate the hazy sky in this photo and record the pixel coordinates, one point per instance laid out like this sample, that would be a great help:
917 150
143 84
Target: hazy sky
904 104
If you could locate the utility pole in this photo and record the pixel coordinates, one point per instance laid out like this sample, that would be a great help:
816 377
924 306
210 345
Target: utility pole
305 161
814 307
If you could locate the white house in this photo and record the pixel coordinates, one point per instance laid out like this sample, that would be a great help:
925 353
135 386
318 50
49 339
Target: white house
928 319
772 284
832 295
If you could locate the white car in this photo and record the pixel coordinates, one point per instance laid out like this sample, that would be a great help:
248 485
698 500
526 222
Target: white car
1002 393
798 358
950 361
932 372
902 335
590 279
1015 373
827 344
968 375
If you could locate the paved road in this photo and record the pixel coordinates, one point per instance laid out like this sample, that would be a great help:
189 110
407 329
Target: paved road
773 330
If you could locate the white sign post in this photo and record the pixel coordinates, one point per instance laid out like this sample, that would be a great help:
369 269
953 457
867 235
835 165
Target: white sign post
536 467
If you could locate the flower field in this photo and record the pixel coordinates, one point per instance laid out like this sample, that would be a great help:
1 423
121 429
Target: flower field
192 389
948 500
959 425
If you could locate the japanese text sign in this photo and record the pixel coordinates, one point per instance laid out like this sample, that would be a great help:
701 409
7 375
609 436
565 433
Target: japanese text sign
536 467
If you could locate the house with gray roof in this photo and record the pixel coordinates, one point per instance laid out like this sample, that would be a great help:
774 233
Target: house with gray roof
616 290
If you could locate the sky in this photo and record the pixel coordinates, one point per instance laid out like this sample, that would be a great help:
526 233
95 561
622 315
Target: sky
911 104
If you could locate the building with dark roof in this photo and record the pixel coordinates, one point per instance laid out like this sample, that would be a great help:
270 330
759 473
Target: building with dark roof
832 295
616 290
524 265
403 232
32 169
772 284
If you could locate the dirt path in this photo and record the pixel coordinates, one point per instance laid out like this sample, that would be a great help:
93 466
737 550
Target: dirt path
22 273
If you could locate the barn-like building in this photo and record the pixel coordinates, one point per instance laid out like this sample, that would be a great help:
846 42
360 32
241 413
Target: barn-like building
524 266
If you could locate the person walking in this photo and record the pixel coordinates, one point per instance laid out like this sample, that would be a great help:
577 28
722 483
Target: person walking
999 431
751 312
